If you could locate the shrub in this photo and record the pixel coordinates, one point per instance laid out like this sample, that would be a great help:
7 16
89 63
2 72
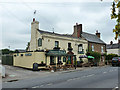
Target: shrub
96 55
110 56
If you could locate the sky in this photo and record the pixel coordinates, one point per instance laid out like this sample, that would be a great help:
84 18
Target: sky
16 17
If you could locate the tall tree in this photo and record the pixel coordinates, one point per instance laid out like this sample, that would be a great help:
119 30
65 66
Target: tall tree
116 15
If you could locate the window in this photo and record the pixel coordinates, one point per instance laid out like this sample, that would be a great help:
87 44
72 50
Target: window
64 59
39 42
92 47
28 54
69 45
51 60
17 54
80 49
102 49
56 44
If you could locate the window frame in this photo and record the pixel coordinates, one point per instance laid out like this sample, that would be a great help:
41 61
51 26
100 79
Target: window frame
82 50
69 45
93 49
102 49
56 43
39 42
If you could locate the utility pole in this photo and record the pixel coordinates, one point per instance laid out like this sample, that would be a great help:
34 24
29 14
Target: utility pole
53 30
9 47
34 13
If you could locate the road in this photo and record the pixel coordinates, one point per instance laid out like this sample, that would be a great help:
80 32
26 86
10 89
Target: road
99 77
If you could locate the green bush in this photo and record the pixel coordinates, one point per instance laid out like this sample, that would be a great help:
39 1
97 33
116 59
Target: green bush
96 55
110 56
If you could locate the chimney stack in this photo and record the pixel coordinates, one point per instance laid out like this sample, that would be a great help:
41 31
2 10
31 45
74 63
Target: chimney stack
98 34
77 30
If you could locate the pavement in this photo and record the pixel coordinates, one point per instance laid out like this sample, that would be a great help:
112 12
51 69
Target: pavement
94 77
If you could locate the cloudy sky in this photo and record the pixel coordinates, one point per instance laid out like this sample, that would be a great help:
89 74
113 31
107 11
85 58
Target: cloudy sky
16 17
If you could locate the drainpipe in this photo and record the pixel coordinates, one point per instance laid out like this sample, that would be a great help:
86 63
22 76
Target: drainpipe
46 59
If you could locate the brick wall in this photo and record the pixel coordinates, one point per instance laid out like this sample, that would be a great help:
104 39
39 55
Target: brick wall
97 47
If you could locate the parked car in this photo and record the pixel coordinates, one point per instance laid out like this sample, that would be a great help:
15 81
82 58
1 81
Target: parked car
116 61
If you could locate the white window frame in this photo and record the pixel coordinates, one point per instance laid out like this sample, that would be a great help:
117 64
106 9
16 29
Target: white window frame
102 49
92 47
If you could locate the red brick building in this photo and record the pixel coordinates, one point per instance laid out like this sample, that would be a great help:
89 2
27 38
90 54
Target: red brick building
94 42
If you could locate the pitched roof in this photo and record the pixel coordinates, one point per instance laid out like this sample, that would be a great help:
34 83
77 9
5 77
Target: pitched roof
113 46
87 36
65 35
20 50
92 38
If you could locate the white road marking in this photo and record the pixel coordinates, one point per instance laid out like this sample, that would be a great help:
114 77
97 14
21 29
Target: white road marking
41 85
90 75
49 84
35 87
77 78
116 88
83 77
69 79
104 72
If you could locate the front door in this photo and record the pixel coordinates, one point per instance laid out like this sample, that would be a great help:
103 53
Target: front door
59 59
69 59
51 59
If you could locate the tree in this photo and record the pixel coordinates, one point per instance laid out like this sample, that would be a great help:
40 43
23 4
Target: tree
6 51
28 46
114 15
110 56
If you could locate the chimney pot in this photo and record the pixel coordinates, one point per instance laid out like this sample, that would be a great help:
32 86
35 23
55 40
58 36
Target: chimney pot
76 23
98 34
96 31
111 42
33 19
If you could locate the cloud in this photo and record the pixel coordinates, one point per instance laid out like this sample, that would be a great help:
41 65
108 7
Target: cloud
60 15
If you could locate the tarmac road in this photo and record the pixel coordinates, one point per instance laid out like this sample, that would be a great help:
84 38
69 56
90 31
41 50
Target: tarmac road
100 77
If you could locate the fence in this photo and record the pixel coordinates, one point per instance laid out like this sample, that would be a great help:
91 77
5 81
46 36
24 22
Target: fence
7 59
